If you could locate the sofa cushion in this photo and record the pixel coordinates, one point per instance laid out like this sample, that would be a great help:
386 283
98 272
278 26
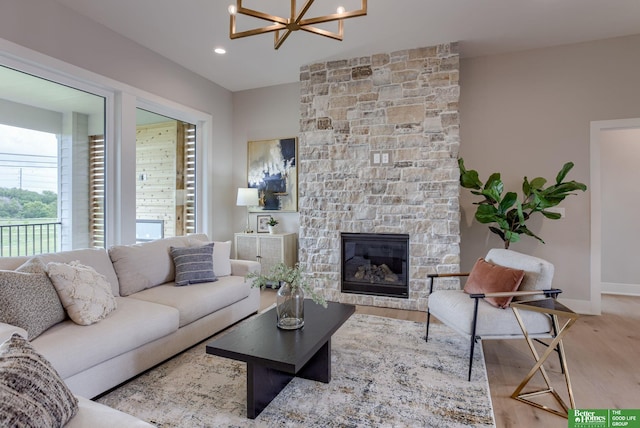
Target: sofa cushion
145 265
198 300
96 415
193 264
31 391
489 278
84 293
97 258
12 263
29 301
73 348
7 330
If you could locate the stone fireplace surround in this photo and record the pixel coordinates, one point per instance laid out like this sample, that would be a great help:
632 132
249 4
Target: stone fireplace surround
401 107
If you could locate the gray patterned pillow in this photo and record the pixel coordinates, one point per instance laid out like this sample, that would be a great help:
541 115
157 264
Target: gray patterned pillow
29 300
31 391
193 264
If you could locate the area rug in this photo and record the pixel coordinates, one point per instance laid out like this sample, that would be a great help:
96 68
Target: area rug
383 375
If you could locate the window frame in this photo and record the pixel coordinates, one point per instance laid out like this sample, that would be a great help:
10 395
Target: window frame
121 101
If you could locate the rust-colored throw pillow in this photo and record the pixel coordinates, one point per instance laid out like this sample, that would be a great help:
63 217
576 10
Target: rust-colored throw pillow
486 277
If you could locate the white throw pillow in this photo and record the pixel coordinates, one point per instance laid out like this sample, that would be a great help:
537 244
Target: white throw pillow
84 293
222 258
221 254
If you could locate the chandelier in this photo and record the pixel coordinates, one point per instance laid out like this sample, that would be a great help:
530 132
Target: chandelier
283 27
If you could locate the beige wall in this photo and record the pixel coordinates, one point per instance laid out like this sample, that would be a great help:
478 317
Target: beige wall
262 114
526 114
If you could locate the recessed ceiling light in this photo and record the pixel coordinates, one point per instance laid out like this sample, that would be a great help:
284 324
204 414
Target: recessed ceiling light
220 51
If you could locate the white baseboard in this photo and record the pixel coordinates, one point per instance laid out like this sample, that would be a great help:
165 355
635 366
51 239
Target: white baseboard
617 288
584 307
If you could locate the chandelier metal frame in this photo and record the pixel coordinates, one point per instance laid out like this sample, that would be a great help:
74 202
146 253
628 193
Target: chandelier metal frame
294 23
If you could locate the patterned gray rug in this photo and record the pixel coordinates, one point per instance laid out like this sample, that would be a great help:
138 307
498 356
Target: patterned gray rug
383 375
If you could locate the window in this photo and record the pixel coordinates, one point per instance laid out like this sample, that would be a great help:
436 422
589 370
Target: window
91 122
165 177
47 132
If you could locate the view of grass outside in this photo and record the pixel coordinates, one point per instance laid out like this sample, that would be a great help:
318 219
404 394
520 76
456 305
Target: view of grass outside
28 237
28 192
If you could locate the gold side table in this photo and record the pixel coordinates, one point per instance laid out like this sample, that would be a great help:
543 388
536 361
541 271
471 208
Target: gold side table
555 309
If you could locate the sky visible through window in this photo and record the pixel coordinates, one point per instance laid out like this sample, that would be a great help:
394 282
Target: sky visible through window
28 159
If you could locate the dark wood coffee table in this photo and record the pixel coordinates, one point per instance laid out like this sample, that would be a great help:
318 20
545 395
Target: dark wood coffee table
276 356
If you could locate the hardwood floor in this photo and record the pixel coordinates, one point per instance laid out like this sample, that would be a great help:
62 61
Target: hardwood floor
602 355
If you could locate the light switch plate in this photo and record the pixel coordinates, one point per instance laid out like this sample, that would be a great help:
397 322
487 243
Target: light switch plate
375 158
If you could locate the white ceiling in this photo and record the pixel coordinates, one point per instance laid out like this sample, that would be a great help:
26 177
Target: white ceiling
186 31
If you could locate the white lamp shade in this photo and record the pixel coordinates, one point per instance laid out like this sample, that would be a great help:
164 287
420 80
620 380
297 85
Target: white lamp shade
247 197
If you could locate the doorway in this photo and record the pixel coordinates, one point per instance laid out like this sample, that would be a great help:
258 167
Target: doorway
615 155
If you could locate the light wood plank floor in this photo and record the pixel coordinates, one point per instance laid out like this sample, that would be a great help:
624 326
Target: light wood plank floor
602 354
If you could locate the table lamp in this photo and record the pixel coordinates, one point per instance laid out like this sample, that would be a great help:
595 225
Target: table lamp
247 197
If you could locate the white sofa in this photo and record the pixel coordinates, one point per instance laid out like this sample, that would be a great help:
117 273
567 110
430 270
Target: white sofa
154 319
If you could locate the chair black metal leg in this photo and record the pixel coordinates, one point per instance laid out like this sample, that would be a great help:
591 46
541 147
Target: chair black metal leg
473 336
473 345
426 337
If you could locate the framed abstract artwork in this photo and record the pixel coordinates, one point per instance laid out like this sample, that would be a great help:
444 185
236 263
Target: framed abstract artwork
272 168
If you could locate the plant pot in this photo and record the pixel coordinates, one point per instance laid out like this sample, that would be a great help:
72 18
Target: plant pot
290 307
272 229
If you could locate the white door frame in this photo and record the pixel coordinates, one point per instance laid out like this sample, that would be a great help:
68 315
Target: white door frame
597 127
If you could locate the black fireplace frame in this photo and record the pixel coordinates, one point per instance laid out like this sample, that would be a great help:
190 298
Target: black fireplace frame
376 289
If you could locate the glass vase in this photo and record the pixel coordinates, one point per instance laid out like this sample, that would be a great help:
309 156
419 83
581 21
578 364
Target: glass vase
290 307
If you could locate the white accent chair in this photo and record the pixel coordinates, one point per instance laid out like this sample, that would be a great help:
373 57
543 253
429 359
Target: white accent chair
471 316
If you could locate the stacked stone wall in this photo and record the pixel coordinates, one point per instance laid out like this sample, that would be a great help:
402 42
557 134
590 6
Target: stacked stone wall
401 105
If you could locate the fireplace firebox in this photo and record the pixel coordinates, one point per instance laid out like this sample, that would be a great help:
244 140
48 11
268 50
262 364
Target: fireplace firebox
376 264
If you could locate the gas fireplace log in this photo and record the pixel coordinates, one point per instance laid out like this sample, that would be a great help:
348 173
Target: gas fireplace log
374 274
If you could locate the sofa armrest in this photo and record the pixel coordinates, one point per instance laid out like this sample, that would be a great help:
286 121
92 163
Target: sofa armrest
244 267
7 330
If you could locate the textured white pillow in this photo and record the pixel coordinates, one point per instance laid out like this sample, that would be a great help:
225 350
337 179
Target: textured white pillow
84 293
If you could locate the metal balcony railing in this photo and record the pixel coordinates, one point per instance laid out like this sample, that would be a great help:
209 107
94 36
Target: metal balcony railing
29 239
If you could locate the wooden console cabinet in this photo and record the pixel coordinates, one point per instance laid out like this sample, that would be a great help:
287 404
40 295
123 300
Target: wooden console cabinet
268 249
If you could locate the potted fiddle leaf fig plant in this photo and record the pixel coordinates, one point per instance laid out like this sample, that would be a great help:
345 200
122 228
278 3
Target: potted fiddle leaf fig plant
293 283
507 215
